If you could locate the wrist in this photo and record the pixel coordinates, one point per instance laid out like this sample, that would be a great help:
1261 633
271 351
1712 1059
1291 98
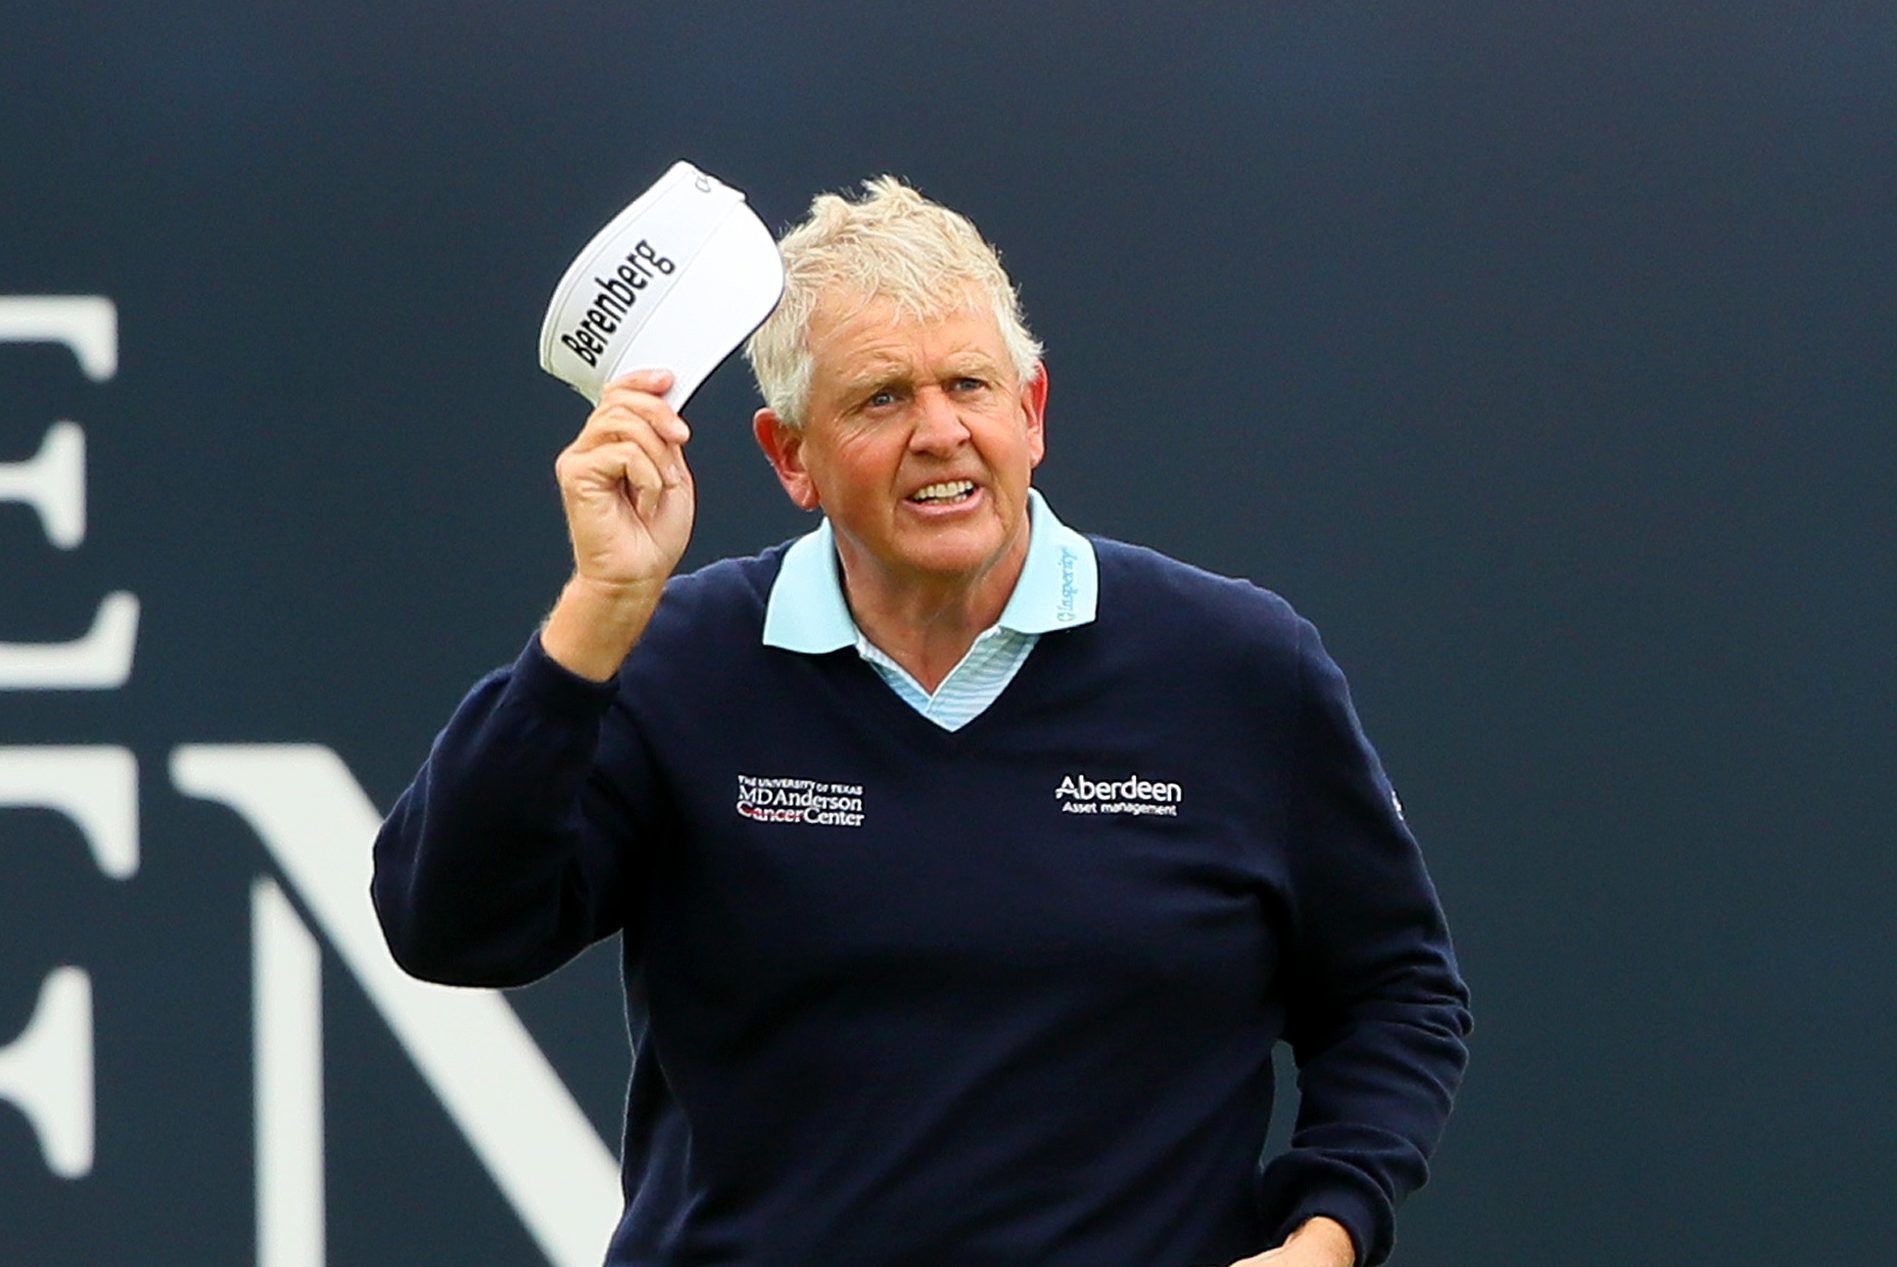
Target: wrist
1327 1235
612 598
596 623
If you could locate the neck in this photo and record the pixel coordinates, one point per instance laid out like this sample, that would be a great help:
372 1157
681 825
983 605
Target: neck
927 624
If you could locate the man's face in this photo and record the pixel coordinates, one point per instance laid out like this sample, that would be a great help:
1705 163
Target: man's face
918 443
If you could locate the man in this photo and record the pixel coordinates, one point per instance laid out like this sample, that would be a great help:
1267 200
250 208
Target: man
968 869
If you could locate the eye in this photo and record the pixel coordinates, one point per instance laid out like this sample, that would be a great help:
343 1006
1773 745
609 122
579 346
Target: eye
969 383
880 398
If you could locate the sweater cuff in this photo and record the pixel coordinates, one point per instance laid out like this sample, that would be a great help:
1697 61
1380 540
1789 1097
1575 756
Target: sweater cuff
1365 1214
551 686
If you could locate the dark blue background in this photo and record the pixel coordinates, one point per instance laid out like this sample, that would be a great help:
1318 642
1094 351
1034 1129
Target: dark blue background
1542 354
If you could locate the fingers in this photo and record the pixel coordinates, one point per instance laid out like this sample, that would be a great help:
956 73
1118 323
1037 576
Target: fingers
644 478
637 398
635 468
653 381
622 468
631 435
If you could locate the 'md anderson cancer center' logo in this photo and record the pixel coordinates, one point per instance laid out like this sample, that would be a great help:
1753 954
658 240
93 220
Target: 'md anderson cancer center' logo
791 800
1079 794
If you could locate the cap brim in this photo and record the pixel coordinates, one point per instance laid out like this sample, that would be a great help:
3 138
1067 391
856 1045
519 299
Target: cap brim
676 281
727 292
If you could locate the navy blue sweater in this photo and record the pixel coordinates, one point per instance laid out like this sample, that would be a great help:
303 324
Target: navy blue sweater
997 997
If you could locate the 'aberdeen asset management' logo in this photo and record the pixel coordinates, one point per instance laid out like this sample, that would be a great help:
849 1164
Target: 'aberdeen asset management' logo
1078 794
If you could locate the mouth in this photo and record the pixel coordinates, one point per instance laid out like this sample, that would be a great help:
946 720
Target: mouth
946 493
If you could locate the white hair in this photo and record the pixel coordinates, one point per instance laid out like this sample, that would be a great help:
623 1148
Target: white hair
891 244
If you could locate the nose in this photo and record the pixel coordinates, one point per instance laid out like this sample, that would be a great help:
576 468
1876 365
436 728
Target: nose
938 424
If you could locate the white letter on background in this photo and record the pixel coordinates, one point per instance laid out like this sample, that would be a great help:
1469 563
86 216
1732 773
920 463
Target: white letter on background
88 324
95 787
286 986
469 1045
53 483
47 1072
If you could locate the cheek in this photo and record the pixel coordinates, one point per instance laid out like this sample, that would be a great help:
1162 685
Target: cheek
1019 448
860 471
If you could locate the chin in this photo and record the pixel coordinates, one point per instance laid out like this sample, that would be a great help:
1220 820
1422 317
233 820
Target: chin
955 558
944 568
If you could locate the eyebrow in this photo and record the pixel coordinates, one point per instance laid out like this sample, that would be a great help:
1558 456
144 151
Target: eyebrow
875 376
888 373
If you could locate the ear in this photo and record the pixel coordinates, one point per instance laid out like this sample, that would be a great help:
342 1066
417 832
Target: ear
1034 409
783 447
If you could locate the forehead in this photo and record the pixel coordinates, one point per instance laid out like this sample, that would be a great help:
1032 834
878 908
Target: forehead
853 336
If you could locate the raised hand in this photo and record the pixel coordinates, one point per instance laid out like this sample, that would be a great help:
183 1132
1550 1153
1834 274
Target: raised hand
625 486
629 503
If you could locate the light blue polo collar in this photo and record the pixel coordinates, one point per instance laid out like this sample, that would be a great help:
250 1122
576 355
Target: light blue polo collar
1059 587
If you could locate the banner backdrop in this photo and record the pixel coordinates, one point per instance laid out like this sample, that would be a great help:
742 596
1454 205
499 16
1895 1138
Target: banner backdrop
1541 354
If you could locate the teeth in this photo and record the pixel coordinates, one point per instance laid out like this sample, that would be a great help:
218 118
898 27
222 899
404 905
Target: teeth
944 491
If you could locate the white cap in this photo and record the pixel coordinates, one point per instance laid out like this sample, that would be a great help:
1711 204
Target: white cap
676 281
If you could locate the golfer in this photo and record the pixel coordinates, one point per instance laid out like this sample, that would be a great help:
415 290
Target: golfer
967 868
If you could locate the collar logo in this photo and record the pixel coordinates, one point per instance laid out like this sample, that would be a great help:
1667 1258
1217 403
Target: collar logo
1064 611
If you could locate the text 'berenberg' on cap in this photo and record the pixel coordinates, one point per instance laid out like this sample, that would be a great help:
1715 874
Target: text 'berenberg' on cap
676 281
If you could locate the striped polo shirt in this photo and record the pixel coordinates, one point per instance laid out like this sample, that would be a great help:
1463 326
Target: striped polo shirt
1058 589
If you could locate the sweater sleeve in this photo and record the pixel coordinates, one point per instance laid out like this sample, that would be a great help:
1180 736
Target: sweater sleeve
1377 1011
511 851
